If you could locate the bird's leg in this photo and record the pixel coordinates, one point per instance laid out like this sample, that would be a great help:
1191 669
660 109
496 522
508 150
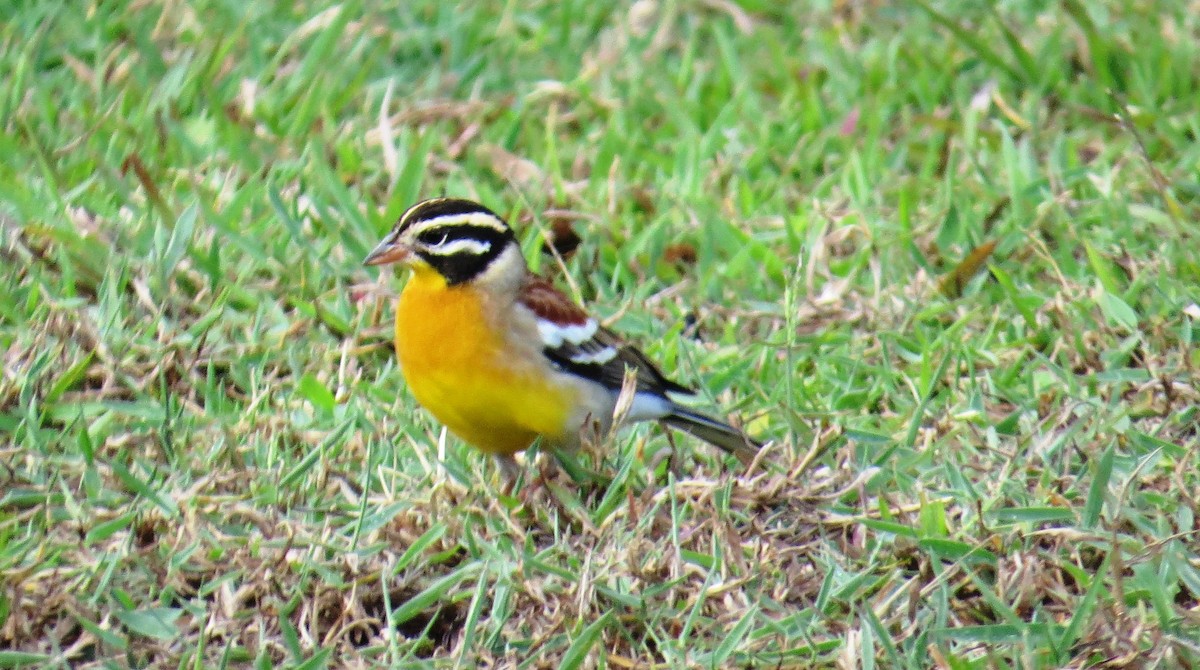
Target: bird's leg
510 470
512 473
592 439
591 433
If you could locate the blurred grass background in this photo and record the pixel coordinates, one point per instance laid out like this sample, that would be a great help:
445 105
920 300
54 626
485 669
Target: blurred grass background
943 254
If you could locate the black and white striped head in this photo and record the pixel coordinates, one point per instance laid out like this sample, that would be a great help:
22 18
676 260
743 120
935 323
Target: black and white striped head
458 238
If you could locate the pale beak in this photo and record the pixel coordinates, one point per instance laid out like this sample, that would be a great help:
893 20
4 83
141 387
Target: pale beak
389 251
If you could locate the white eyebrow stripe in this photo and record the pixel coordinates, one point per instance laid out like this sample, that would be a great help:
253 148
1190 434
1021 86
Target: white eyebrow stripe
471 246
554 334
473 219
596 357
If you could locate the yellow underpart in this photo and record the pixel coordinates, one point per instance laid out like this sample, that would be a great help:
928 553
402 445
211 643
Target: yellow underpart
456 363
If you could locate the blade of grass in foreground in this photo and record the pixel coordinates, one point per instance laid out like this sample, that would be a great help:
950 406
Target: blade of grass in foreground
972 42
581 647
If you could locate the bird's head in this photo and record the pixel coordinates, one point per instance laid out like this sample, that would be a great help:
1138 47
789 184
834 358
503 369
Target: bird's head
459 239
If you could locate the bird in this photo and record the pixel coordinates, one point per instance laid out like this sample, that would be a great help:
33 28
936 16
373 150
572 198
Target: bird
501 357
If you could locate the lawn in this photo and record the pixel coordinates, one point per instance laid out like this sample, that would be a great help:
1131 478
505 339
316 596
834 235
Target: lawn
943 255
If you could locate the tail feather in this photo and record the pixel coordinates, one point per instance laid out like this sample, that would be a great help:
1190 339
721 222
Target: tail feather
717 433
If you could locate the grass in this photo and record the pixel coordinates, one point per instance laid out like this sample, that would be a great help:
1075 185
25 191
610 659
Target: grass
942 254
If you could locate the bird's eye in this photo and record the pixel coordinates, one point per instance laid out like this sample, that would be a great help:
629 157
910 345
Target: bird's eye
434 238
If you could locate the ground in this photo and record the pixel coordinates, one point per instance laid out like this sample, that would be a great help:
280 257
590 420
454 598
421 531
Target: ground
942 255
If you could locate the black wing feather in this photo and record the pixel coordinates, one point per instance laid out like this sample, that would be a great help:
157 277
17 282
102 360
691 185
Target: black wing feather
611 373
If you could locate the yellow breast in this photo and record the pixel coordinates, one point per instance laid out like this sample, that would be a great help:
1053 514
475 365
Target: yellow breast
454 356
